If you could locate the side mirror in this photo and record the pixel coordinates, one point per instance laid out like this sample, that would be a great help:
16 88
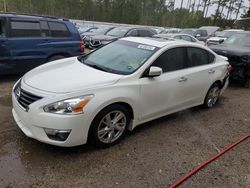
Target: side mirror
221 41
197 35
154 72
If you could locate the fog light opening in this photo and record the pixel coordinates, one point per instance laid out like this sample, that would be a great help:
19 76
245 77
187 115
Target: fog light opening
57 135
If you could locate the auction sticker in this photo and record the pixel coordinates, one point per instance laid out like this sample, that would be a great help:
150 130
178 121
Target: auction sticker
146 47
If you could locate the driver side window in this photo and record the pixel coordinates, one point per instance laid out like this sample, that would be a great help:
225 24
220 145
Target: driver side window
2 29
172 60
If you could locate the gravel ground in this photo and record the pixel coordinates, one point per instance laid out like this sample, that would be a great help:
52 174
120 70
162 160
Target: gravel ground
153 155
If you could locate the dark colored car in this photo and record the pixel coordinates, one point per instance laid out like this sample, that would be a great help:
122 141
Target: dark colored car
119 32
237 50
202 34
101 30
28 41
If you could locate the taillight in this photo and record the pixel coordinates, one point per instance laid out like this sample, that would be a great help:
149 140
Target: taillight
229 68
82 46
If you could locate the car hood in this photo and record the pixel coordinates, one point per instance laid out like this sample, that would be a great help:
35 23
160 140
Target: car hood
224 49
104 37
68 75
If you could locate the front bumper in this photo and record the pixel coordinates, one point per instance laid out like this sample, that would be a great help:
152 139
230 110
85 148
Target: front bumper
33 123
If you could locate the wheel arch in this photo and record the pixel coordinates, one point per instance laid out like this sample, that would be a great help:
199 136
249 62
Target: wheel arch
125 104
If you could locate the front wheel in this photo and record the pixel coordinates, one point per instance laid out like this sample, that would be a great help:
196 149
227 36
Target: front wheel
212 96
109 126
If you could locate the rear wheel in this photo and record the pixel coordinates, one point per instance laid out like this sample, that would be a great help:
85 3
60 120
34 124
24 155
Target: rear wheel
212 96
55 57
109 126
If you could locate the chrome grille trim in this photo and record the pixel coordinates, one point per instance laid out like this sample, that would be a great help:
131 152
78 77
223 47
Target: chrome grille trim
25 98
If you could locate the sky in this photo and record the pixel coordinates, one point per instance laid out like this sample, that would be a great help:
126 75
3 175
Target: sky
211 10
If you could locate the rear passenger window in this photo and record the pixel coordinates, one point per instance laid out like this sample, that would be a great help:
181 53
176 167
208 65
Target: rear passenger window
25 29
211 57
58 29
197 57
44 29
145 33
172 60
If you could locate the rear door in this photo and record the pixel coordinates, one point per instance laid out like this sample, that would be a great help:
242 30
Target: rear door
201 74
5 55
26 44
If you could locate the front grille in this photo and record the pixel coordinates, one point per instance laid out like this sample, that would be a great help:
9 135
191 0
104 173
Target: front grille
25 98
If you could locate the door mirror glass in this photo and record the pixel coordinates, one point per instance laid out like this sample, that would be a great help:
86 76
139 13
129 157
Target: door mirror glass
154 72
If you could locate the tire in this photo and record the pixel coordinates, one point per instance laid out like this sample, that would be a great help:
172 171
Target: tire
247 83
212 96
103 134
55 57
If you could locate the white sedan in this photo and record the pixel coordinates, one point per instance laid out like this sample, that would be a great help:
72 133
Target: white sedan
97 97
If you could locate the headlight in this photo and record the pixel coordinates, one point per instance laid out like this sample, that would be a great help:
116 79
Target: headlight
69 106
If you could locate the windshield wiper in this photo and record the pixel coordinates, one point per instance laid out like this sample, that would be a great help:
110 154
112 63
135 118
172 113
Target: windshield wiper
96 67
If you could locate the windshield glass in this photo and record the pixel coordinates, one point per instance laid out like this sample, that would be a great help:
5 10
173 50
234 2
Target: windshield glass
118 32
101 30
188 31
239 40
226 34
120 57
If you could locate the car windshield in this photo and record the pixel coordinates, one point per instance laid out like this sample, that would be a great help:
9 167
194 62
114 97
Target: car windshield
226 34
239 40
188 31
120 57
118 32
101 30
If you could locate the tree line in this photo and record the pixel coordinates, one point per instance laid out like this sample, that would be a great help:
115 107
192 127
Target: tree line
190 13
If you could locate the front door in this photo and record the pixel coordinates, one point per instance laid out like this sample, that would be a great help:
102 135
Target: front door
166 93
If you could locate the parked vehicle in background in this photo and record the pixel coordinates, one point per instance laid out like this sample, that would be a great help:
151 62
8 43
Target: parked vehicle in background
171 31
115 88
29 41
202 34
243 23
222 36
101 30
185 37
84 29
159 29
119 32
237 50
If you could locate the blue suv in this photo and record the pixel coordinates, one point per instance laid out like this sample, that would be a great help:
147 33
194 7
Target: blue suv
27 41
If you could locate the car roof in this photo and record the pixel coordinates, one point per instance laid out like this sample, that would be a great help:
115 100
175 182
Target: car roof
234 30
157 42
31 16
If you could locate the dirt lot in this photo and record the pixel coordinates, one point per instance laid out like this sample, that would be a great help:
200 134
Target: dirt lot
154 155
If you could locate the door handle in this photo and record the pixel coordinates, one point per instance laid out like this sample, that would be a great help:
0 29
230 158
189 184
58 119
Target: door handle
183 79
211 71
